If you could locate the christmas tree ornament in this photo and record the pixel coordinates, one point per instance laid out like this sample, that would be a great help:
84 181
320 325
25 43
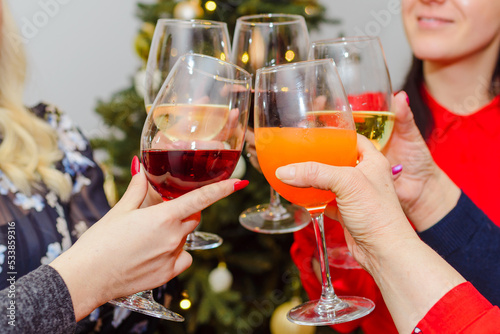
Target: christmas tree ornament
143 40
188 10
220 279
280 324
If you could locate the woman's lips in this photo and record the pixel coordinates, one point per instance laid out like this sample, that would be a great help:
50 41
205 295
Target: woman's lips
432 22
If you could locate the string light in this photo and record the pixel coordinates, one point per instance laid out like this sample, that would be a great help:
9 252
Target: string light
210 6
289 55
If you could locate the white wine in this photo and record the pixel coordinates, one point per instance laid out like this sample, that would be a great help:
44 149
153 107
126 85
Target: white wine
191 122
375 125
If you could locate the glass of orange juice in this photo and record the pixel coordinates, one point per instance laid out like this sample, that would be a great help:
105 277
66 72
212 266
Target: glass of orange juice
302 114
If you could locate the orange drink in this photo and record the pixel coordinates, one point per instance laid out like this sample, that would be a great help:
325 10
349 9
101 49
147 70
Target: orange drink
278 147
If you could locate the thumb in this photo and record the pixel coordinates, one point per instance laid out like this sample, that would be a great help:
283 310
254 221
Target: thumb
405 123
136 190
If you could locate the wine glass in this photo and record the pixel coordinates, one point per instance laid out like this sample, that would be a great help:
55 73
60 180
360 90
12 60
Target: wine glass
193 136
172 39
363 70
265 40
302 114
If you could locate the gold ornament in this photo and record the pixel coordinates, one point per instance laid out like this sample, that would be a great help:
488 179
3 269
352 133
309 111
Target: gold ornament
143 40
188 10
280 324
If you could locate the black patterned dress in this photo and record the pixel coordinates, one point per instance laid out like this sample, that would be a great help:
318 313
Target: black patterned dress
44 226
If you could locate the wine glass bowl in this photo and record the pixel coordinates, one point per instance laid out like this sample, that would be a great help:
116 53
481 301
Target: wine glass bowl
172 39
266 40
361 64
302 114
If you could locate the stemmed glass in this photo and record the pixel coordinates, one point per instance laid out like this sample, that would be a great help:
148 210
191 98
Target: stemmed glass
265 40
193 136
172 39
302 114
363 70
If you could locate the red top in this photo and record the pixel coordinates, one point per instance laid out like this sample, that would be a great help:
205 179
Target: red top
461 310
469 160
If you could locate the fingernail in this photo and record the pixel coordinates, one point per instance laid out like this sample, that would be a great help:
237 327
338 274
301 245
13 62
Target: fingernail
136 166
407 99
240 185
397 169
285 173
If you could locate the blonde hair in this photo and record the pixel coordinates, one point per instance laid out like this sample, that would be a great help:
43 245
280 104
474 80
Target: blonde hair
28 148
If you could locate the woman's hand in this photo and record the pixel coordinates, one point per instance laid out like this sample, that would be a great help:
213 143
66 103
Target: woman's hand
251 150
367 204
132 249
426 193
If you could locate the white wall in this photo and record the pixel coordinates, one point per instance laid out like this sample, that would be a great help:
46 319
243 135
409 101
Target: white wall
80 51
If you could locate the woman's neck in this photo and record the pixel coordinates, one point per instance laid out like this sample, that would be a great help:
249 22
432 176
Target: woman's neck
462 86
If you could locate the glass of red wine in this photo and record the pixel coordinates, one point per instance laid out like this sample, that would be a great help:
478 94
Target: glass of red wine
268 40
171 40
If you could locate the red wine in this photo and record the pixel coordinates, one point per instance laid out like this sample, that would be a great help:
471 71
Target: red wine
174 173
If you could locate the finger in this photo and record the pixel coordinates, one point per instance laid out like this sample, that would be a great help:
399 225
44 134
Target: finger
136 192
198 199
183 261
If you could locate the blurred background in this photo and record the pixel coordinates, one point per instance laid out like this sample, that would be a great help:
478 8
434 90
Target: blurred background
86 57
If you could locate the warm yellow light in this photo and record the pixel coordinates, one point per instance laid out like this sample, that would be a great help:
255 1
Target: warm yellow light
210 6
284 89
173 52
311 10
185 304
245 58
289 55
223 56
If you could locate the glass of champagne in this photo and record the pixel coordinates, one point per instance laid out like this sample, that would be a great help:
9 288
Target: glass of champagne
363 70
302 114
259 41
172 39
193 136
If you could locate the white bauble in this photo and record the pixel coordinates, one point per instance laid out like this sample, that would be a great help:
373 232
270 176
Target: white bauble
220 279
188 10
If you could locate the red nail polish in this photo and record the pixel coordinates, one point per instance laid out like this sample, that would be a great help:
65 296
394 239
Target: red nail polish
136 166
240 185
407 99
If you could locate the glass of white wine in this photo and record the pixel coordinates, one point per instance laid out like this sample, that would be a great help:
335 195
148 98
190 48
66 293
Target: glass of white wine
363 70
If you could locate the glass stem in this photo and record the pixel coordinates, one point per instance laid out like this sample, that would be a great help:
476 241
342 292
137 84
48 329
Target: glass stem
329 300
276 210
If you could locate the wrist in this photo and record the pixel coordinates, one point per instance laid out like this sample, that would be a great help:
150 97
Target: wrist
77 273
439 196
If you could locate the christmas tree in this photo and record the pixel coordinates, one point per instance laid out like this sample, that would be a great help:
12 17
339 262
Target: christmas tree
237 287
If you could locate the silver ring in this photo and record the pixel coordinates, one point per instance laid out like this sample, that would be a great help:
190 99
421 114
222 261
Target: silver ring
249 155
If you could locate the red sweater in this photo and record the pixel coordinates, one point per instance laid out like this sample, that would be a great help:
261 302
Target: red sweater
462 310
465 159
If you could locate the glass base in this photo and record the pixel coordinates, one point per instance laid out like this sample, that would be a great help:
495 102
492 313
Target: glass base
340 257
347 309
289 218
202 240
144 303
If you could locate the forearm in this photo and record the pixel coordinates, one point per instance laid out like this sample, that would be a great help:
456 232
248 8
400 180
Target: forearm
412 278
38 303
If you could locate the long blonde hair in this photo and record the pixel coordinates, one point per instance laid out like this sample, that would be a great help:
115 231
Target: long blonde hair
28 148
